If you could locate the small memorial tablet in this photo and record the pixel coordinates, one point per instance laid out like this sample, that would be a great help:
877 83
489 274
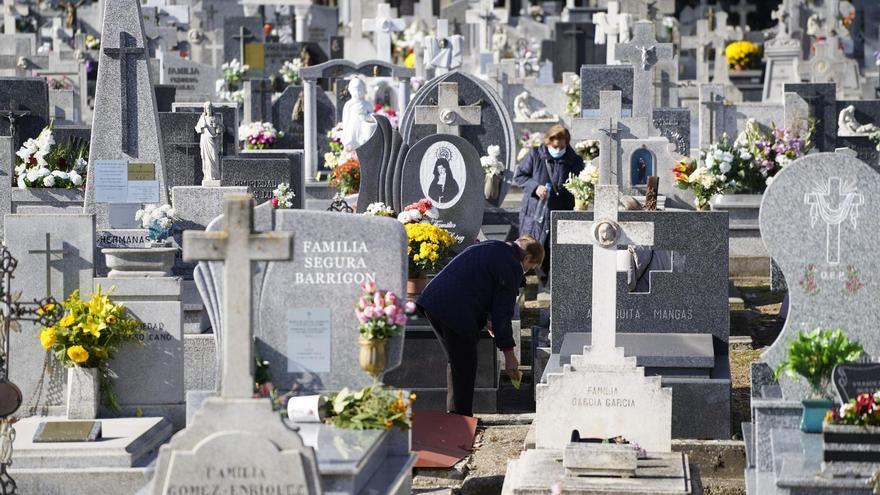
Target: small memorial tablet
308 340
141 171
853 379
111 181
67 431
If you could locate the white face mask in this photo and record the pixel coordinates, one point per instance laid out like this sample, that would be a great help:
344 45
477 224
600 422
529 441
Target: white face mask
556 152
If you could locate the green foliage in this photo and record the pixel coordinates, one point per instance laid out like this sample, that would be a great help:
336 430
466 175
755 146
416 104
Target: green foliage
814 355
372 408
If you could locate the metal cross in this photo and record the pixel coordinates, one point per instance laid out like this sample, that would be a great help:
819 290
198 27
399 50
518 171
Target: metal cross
125 49
237 247
11 115
48 252
448 115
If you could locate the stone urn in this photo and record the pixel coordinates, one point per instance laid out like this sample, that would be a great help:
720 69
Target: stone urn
492 187
372 356
139 262
83 393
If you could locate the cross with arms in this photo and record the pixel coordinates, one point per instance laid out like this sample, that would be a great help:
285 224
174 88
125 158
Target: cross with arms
448 115
382 27
605 233
835 203
126 79
643 53
237 247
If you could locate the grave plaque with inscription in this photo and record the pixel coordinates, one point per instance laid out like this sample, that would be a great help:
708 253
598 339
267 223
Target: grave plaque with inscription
308 339
261 173
853 379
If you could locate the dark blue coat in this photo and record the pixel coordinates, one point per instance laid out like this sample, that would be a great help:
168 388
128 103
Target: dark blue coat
481 282
536 169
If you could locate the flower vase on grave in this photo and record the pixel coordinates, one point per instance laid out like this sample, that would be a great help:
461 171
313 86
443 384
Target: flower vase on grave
581 205
415 285
814 414
372 356
492 187
139 262
83 393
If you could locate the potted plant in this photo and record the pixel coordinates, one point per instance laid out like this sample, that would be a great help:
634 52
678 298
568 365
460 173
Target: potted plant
583 186
494 170
84 340
346 176
381 317
849 427
813 356
427 244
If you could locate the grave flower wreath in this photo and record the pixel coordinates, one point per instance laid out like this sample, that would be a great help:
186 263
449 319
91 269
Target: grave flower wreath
89 334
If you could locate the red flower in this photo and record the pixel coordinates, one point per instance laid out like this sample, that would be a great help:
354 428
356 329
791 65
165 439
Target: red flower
275 202
377 107
864 403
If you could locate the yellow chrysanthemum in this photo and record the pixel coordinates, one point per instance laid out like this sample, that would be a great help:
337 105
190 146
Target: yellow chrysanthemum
410 61
78 354
47 337
67 321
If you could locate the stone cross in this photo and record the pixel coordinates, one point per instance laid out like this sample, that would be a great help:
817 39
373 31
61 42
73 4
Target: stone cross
834 203
448 115
382 26
127 78
643 53
720 34
611 28
9 16
238 247
48 251
243 36
485 17
605 233
743 9
210 12
712 104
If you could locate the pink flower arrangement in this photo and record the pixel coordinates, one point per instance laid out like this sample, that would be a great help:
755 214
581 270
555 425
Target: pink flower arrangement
388 112
381 314
258 135
422 211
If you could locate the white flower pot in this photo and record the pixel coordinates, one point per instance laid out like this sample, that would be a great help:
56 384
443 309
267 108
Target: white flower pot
139 262
83 393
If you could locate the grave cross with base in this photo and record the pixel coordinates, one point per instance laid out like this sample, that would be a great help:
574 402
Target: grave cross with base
12 114
643 53
611 28
605 233
382 26
448 115
238 247
486 16
122 53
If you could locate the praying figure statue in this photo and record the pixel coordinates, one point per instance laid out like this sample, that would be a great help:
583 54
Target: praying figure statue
358 124
209 130
522 109
847 125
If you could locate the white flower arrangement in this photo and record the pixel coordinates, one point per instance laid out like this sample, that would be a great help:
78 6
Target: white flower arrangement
413 215
587 149
282 197
572 90
491 163
290 71
583 185
43 164
379 209
333 160
528 141
158 220
228 88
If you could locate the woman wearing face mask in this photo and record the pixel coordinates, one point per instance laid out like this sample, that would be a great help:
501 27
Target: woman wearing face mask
541 174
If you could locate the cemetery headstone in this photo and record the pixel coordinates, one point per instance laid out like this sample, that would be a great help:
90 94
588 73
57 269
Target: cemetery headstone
853 379
262 172
24 107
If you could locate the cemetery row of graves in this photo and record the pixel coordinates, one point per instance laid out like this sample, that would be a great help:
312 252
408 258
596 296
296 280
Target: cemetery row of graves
218 218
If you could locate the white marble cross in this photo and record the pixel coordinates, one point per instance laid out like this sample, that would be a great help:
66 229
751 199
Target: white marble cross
644 52
604 232
720 34
448 115
237 247
443 53
834 203
744 8
382 26
611 28
486 16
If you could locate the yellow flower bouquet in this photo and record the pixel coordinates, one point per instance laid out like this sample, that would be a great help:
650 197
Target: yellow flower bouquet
742 55
375 407
427 245
89 334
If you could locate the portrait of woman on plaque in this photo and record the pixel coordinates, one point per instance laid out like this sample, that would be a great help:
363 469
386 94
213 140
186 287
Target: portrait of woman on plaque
442 174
